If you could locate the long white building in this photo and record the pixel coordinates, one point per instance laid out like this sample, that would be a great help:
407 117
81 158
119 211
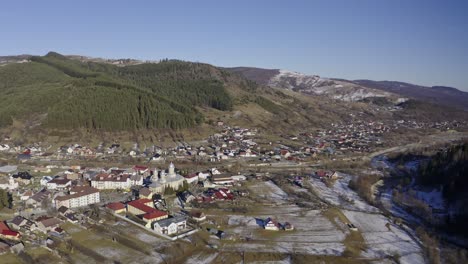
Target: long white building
78 197
105 181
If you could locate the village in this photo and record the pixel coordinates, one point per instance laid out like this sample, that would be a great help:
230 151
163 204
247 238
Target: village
233 188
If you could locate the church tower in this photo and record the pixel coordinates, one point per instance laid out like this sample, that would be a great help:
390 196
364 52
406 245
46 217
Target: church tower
171 172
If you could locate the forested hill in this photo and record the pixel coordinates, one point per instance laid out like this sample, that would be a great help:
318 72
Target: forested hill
59 92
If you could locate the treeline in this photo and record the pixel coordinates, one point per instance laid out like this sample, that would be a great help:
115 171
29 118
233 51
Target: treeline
101 107
448 168
69 67
185 82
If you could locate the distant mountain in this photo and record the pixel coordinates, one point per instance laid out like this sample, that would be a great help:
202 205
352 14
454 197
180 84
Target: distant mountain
57 92
357 90
311 84
63 95
437 94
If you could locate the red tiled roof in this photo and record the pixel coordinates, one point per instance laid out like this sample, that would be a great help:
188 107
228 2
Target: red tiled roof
155 214
144 200
139 167
111 177
141 205
3 226
10 233
116 206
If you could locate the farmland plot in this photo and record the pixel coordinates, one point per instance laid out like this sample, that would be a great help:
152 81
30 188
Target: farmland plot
341 195
384 239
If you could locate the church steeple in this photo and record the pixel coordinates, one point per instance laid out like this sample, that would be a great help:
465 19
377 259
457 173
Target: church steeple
171 172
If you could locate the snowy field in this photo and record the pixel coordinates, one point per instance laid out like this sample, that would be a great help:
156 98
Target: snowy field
314 234
201 258
269 191
341 195
383 240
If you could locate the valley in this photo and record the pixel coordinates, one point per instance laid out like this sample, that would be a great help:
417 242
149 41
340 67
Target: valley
122 161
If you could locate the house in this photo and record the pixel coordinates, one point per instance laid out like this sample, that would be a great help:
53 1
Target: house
106 181
116 207
334 175
197 216
18 222
63 210
46 224
193 177
7 233
171 226
68 214
288 226
145 193
145 209
37 198
79 196
45 180
26 195
224 179
272 225
23 177
141 170
216 232
72 175
8 183
186 197
238 178
58 184
285 153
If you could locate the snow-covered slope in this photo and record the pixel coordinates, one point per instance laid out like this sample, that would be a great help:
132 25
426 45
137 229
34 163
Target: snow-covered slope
316 85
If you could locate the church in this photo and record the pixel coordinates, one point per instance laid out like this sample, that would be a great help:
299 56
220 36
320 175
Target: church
164 180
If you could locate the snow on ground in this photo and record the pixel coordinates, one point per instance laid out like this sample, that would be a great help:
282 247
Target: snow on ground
314 234
147 238
381 162
269 191
309 248
383 240
341 195
433 198
387 202
201 258
283 261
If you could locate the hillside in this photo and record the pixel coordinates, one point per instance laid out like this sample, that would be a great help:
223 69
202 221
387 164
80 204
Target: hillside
70 94
437 94
312 84
64 95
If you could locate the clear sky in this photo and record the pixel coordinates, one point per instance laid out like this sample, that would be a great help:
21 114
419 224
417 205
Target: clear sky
423 42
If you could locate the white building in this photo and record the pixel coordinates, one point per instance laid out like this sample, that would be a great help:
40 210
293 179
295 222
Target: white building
79 196
106 181
169 179
8 183
58 183
45 180
171 226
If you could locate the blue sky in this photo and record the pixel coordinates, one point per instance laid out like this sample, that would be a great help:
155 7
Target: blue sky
423 42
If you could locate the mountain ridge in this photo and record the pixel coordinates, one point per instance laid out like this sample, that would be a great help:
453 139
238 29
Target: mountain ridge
354 89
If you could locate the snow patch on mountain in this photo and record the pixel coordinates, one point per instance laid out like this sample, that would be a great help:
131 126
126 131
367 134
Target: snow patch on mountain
314 84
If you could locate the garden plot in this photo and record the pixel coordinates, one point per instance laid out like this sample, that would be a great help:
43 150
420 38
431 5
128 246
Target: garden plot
341 195
385 239
269 192
125 228
314 234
